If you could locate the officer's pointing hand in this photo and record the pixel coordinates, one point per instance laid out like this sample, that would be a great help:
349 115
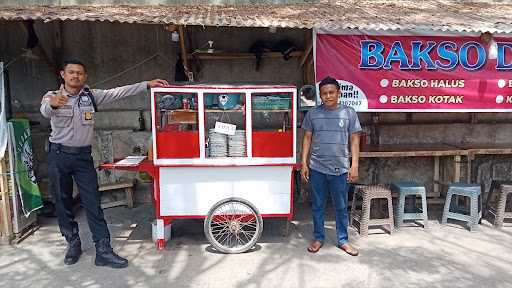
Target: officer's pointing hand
59 99
157 83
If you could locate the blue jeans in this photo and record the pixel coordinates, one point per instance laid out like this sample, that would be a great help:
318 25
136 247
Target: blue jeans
338 187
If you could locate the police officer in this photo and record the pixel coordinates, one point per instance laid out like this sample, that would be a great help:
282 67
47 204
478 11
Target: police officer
71 111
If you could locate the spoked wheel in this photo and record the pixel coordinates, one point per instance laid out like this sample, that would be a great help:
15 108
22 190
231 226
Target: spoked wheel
233 225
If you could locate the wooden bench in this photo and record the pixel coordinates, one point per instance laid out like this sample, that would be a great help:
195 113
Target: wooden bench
128 189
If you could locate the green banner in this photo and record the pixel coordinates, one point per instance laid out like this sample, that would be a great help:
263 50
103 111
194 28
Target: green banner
24 163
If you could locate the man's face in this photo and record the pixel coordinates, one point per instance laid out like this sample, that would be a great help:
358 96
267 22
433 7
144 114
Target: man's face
329 94
74 76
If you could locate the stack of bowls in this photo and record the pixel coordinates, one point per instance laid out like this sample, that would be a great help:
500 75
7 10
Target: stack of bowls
236 144
218 144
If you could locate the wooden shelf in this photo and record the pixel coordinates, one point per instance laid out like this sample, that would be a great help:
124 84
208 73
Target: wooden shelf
270 110
222 111
180 110
234 56
181 122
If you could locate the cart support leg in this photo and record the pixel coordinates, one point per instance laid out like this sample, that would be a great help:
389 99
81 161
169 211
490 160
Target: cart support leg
160 233
160 244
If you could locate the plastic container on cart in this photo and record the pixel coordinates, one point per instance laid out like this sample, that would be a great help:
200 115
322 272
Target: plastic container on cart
271 103
228 101
210 100
170 102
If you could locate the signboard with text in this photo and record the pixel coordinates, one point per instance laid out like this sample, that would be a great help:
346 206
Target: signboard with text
424 73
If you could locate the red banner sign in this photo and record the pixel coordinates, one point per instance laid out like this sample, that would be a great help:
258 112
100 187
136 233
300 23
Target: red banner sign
418 73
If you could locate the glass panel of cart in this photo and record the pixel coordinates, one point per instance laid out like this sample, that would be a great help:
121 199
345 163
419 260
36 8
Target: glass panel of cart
224 123
177 129
272 130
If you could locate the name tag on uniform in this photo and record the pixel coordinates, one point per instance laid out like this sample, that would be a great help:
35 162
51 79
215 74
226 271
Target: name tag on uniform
85 100
88 115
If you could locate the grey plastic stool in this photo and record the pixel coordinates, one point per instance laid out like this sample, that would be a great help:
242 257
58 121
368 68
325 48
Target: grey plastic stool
473 191
405 188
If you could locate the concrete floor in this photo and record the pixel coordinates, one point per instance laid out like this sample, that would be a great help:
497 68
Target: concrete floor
442 256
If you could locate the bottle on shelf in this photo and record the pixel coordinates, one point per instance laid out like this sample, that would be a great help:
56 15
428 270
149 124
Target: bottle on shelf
142 121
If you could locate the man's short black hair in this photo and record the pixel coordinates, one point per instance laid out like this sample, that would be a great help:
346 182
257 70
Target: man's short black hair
73 61
329 81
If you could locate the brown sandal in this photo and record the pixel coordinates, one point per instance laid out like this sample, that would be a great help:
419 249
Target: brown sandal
315 246
349 249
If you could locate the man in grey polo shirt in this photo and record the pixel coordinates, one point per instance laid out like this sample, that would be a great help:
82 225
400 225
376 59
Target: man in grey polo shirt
71 111
329 129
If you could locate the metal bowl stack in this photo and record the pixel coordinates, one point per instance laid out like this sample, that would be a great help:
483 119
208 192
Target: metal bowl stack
236 144
218 144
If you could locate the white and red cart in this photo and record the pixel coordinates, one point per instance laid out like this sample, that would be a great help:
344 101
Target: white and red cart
225 154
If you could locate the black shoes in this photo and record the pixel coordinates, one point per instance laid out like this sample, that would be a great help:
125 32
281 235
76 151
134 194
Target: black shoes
105 256
74 252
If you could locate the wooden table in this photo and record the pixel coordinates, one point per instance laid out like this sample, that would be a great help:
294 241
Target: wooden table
482 149
457 151
420 150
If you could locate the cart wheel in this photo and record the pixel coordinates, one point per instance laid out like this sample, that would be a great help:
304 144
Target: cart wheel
233 225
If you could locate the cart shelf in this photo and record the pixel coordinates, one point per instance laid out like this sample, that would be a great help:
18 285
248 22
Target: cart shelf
270 110
222 111
179 110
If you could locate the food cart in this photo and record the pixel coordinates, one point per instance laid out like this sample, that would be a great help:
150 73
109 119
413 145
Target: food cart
223 153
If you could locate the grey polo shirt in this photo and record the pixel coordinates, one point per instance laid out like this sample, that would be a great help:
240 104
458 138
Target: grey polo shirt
73 123
331 130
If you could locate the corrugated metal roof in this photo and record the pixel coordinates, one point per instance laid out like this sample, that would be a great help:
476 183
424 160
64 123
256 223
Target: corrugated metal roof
439 15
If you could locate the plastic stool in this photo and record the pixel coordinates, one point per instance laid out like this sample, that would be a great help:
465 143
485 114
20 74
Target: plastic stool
405 188
498 209
473 191
363 217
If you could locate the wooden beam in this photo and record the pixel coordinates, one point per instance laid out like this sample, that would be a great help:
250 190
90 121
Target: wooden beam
239 56
58 48
120 185
306 52
456 166
437 192
310 76
473 118
184 55
5 207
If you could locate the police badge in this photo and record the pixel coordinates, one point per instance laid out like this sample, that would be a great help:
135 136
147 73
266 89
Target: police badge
88 115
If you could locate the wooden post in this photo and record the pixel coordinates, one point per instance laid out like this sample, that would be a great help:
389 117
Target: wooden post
309 48
184 56
5 217
456 172
437 192
469 175
58 48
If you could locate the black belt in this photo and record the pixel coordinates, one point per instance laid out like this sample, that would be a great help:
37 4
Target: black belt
70 149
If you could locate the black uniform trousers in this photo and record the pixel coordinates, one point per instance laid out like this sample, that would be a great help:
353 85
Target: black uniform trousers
65 164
